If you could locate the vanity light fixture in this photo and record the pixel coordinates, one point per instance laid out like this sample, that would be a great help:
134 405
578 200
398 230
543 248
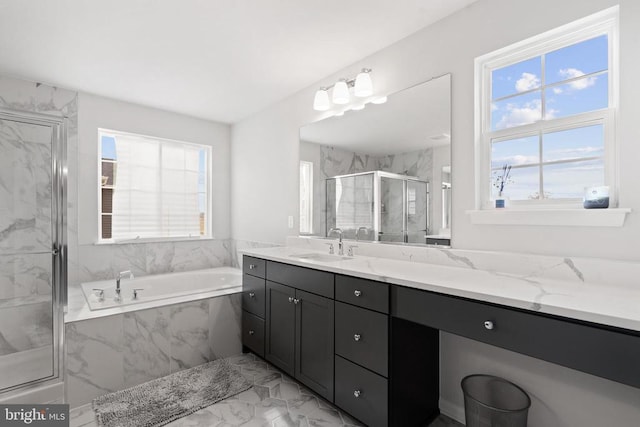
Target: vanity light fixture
321 100
362 88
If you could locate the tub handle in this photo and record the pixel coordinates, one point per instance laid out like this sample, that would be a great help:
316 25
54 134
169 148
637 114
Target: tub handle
99 293
135 292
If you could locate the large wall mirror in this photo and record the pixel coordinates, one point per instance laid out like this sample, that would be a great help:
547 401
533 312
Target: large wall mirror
383 173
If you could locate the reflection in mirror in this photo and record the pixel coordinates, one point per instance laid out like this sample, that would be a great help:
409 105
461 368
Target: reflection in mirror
377 173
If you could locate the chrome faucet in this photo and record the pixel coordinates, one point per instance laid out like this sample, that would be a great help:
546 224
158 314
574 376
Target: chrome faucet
366 232
340 246
118 298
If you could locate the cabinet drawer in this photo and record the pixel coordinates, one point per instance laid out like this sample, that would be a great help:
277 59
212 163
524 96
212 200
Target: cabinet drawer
253 295
362 336
253 333
361 393
254 266
363 293
306 279
600 351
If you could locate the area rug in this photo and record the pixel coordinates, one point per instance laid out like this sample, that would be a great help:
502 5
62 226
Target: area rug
160 401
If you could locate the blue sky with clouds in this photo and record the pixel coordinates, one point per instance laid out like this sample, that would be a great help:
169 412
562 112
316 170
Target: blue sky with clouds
567 87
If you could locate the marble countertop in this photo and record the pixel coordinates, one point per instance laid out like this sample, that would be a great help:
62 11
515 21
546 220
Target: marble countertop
617 306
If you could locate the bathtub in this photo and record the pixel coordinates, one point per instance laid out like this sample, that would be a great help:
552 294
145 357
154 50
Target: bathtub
161 287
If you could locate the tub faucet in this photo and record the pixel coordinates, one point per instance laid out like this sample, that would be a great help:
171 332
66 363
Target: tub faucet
340 246
118 298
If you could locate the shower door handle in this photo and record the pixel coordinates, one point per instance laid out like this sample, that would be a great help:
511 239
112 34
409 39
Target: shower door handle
55 251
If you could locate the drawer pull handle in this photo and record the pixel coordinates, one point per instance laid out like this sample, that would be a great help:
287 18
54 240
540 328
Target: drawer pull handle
357 293
251 332
357 393
290 299
252 266
357 337
252 294
296 300
488 324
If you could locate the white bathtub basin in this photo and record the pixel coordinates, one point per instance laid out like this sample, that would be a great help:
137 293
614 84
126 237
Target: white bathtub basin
161 286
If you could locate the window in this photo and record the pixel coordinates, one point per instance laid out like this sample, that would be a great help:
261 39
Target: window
306 197
152 188
547 109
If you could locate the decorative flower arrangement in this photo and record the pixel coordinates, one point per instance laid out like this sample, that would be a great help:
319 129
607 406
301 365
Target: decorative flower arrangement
502 179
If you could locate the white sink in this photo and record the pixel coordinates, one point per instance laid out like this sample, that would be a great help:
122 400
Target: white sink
313 256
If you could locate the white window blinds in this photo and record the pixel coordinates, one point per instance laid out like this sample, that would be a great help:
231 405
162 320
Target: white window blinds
157 188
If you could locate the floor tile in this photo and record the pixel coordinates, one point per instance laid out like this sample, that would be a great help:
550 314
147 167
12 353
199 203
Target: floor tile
275 400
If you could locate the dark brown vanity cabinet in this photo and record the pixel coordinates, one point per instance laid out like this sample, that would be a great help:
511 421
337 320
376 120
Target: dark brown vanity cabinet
299 333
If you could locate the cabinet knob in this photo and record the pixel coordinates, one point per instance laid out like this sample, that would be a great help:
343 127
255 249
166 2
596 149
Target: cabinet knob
357 293
357 393
357 337
488 324
251 332
296 300
290 299
252 266
252 294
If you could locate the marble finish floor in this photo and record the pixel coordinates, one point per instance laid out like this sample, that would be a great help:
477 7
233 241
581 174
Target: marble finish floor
275 400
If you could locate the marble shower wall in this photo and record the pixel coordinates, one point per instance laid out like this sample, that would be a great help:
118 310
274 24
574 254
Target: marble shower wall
25 280
335 161
115 352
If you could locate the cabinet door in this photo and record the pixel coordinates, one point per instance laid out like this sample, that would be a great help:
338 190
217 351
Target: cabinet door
281 324
314 342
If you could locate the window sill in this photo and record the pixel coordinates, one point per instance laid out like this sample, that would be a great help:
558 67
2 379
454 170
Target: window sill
154 240
550 217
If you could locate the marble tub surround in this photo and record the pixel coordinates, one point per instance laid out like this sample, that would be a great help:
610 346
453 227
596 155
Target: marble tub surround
275 400
114 352
598 302
105 261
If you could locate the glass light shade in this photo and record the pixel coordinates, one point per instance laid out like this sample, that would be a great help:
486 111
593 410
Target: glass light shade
379 100
363 86
321 100
358 107
341 93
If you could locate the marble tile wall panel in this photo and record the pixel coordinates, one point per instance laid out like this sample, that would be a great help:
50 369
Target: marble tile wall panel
94 362
24 327
139 346
23 276
25 187
101 262
147 345
189 335
236 246
225 321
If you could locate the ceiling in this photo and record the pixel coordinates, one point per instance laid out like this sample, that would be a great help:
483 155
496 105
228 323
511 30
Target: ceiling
413 119
221 60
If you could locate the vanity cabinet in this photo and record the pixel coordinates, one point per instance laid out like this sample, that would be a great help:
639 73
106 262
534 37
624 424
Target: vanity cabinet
253 304
299 333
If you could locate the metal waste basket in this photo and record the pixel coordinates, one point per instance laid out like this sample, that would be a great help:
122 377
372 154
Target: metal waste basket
494 402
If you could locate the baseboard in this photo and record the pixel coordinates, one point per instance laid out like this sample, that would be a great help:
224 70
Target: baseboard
452 410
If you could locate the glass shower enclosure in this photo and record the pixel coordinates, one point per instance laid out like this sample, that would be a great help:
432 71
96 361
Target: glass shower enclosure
32 251
378 206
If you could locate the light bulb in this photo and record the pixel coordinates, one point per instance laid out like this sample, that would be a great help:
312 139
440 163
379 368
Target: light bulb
321 100
363 86
341 92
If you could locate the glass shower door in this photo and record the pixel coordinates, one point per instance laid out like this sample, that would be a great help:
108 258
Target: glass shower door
417 211
29 265
391 210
